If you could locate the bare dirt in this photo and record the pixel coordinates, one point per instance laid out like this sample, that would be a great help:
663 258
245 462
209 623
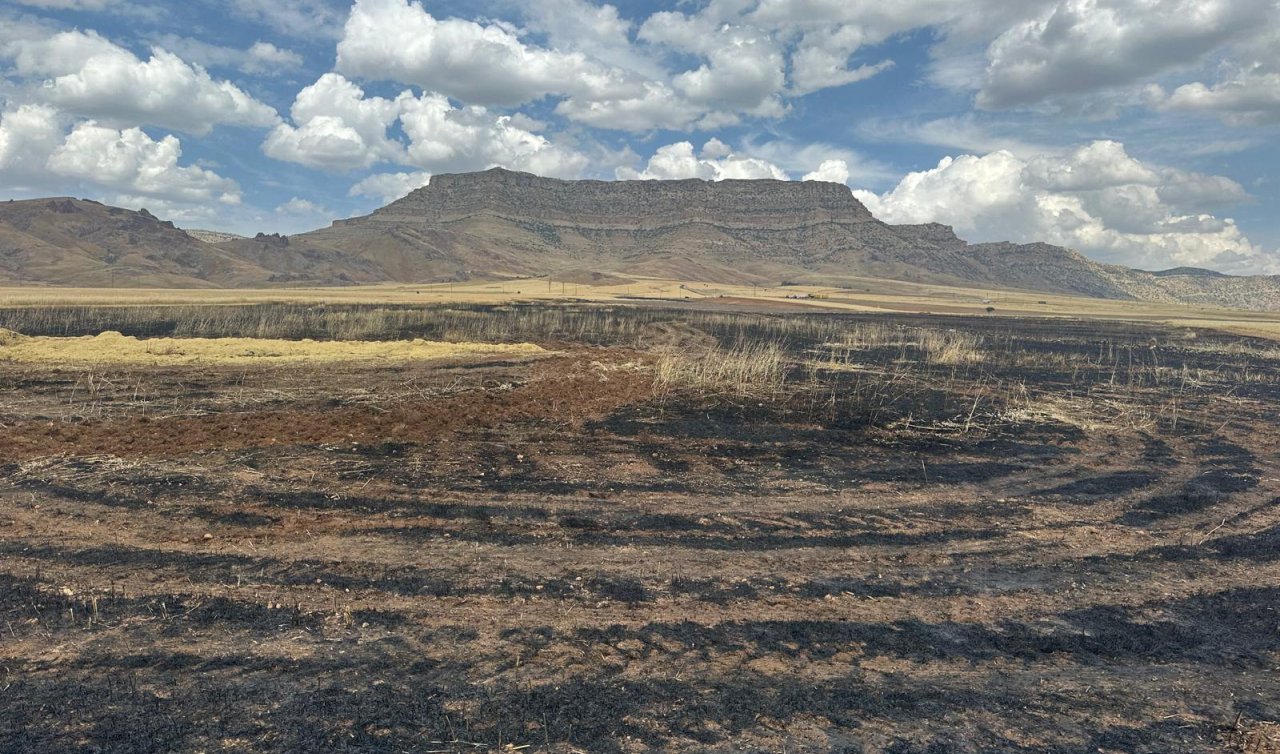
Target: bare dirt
545 556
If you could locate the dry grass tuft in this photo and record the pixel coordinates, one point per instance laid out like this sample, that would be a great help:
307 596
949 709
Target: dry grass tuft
10 338
950 347
747 370
1255 738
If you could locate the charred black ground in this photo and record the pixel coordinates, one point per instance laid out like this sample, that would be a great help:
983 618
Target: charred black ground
893 534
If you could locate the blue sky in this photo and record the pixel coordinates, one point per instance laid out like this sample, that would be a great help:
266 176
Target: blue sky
1141 132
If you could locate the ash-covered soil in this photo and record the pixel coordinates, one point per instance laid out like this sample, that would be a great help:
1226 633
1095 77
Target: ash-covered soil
1055 548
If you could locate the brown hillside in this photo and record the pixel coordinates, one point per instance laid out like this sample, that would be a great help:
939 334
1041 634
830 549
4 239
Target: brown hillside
64 241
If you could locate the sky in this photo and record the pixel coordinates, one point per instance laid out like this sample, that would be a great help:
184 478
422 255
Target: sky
1138 132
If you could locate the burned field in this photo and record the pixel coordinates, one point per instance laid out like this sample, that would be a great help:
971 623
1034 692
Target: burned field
671 530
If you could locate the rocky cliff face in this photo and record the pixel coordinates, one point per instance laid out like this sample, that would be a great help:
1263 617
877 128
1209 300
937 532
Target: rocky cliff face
764 231
625 204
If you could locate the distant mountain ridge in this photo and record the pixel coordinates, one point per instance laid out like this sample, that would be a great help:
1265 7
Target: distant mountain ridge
502 223
1190 271
65 241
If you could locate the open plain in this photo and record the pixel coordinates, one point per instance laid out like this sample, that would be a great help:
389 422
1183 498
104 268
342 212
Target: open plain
720 527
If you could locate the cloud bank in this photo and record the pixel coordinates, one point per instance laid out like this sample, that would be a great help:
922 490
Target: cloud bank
1095 198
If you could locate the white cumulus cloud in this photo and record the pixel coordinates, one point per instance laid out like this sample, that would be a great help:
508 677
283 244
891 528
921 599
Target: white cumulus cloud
337 127
131 161
443 138
1247 91
832 171
716 162
28 135
593 69
39 156
388 187
260 58
89 76
744 71
821 60
1095 198
655 105
598 31
1083 46
1098 165
476 63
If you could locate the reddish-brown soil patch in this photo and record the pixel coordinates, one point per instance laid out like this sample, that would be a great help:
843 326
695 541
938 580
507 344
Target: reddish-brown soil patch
566 389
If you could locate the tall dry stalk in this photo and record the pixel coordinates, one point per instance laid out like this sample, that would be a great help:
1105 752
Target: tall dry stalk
746 370
951 347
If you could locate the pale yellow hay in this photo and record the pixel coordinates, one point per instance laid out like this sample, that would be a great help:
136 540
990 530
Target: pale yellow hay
10 338
114 348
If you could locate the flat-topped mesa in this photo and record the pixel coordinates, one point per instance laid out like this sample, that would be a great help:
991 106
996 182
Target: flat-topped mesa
623 204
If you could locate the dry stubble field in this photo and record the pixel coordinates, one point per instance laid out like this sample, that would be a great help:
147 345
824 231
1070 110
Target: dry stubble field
666 530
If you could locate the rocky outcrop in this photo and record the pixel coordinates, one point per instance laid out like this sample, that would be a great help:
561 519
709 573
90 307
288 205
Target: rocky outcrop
212 236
